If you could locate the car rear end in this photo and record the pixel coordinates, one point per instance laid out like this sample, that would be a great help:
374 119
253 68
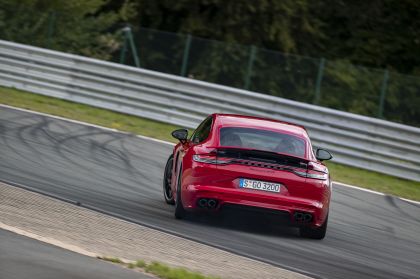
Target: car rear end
244 169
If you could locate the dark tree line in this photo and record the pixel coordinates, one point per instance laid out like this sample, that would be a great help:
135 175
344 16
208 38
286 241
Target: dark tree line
375 33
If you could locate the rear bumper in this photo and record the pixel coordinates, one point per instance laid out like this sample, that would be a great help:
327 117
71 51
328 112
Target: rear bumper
253 199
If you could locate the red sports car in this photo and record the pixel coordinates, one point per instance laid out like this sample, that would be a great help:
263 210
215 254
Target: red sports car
250 163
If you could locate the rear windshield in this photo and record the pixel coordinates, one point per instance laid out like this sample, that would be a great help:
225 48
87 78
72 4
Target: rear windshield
262 140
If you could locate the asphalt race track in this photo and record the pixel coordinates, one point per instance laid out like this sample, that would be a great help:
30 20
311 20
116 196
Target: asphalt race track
22 257
369 236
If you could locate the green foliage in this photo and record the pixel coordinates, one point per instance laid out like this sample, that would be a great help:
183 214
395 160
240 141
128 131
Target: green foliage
373 33
160 51
160 270
165 272
277 25
288 76
141 264
402 103
351 88
274 73
76 26
218 62
111 259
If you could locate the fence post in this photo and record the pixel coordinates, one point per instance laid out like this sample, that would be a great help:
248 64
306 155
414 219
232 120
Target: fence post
251 60
186 56
319 77
51 22
123 50
384 88
129 35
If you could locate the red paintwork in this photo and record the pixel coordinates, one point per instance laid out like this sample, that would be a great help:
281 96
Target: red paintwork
202 180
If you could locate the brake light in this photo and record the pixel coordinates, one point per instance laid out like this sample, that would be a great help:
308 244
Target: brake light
211 159
317 167
315 171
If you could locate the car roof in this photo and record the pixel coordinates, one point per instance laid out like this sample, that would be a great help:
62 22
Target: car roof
235 120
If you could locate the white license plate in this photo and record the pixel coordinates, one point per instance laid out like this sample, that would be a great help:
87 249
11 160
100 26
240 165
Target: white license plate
259 185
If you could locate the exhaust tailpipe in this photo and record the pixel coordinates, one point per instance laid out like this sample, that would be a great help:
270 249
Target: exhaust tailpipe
298 216
307 218
212 203
202 203
302 217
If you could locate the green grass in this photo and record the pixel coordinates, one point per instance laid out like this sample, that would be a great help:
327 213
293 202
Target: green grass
350 175
140 264
375 181
112 260
102 117
166 272
160 270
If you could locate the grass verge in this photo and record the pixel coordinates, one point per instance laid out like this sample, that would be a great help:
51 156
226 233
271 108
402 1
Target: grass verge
159 269
375 181
345 174
102 117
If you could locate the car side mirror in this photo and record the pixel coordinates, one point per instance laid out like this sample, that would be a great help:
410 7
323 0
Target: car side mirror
323 155
180 134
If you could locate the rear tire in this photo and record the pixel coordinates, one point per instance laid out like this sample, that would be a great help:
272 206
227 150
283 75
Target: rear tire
167 177
315 233
180 212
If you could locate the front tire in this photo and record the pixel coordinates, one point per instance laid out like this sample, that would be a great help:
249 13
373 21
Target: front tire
180 212
315 233
167 179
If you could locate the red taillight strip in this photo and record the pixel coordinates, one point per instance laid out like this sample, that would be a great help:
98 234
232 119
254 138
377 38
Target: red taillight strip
295 170
211 159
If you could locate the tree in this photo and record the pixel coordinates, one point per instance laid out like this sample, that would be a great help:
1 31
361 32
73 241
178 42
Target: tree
75 26
373 33
280 25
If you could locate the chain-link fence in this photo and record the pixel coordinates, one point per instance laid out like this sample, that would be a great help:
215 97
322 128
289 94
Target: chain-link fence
336 84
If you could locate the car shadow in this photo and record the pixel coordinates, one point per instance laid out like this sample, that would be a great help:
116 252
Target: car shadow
278 225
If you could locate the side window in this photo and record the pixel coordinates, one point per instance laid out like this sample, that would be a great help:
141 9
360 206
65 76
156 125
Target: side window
203 131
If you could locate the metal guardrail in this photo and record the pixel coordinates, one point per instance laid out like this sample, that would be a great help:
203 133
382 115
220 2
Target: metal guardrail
354 140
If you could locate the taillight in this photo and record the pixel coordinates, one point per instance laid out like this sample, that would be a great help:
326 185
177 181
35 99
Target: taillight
317 167
211 159
315 171
321 176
